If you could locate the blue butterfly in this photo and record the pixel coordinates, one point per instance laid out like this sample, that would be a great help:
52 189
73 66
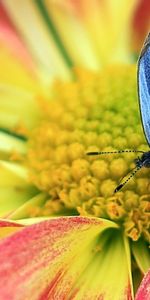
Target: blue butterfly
143 82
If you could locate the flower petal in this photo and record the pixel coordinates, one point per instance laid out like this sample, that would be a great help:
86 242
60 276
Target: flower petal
93 32
14 187
142 255
143 292
140 24
31 26
13 72
8 227
9 36
65 258
73 34
19 108
10 144
29 206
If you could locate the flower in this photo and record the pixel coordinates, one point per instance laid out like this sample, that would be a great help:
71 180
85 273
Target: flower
92 237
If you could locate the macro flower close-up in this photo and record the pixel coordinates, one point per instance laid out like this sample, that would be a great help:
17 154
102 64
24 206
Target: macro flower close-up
75 182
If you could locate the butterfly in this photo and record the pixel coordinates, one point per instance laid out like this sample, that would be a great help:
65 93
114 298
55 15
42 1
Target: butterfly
143 84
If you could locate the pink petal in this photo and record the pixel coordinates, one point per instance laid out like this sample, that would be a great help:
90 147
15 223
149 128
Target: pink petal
5 223
44 260
11 38
143 292
8 228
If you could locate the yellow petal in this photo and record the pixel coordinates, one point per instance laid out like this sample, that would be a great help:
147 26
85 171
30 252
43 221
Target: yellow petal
12 72
31 205
142 255
14 187
107 23
18 107
30 24
74 35
10 143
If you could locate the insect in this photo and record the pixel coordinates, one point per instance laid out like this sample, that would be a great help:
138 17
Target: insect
143 83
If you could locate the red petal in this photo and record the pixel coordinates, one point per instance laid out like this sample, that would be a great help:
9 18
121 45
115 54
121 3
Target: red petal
44 260
143 292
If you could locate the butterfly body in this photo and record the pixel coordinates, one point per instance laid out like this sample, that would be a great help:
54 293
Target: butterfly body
143 161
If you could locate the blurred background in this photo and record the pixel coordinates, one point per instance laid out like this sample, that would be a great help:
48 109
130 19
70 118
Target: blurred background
50 37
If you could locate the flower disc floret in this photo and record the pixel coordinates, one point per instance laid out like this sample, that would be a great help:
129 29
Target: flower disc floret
96 112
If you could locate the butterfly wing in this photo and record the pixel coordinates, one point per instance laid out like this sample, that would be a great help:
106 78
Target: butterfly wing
144 87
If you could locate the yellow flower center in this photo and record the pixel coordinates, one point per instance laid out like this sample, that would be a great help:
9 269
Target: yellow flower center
96 112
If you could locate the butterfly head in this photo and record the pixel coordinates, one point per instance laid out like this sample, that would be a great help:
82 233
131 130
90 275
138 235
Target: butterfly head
144 160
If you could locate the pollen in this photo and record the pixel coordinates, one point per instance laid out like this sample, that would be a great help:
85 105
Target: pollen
95 112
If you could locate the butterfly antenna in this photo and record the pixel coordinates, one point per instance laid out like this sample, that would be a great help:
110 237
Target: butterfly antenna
113 152
120 186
